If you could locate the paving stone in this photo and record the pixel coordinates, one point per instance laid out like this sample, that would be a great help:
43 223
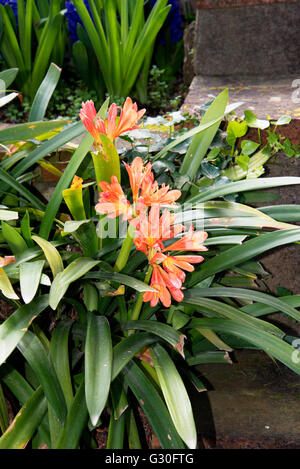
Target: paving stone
252 403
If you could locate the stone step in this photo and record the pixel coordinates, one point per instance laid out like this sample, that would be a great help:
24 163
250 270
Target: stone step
263 95
247 37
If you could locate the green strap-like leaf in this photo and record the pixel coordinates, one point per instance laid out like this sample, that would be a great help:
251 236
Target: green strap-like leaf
23 391
242 186
263 340
30 277
125 350
168 333
153 406
98 365
30 130
175 395
249 249
14 328
7 179
44 93
59 353
35 354
242 293
52 255
201 142
70 274
76 420
25 423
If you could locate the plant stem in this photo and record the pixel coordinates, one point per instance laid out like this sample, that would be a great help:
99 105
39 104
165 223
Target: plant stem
139 303
125 250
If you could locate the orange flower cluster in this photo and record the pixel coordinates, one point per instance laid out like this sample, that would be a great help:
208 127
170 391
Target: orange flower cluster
114 125
153 228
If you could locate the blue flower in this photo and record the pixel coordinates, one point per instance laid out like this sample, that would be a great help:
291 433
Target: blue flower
13 4
174 22
73 18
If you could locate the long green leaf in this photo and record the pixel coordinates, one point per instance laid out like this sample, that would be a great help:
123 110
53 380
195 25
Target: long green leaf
76 420
249 249
8 76
153 406
6 286
271 344
201 142
242 293
46 45
260 309
132 282
30 276
229 312
168 333
14 328
98 365
286 213
27 194
35 354
13 239
243 186
22 391
125 350
44 93
30 130
70 274
59 353
52 255
175 395
25 423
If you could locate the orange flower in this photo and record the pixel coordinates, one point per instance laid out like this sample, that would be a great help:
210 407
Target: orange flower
176 264
113 126
137 173
162 293
6 260
166 285
151 194
153 229
93 124
127 121
191 241
112 200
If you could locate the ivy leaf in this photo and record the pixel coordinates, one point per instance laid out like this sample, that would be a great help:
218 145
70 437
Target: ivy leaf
252 121
249 147
235 130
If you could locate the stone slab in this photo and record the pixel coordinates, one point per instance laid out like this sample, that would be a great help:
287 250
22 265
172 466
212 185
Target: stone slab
265 96
253 403
251 39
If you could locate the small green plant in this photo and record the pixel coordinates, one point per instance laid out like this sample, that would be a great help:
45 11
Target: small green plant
158 88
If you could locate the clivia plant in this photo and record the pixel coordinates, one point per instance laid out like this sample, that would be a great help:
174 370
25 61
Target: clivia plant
119 288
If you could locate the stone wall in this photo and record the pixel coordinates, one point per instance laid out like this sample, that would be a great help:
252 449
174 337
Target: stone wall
247 37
